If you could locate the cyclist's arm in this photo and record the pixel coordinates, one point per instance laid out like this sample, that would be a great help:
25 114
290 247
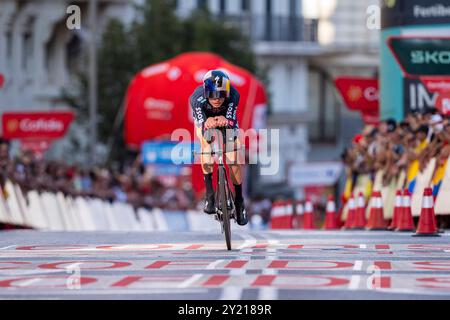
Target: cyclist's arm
198 113
231 114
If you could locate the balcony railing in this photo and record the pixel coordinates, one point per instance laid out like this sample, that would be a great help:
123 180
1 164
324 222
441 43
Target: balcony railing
274 28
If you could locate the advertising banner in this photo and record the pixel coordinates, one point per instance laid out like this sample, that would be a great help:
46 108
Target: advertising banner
317 174
421 56
34 125
414 12
416 97
169 152
360 94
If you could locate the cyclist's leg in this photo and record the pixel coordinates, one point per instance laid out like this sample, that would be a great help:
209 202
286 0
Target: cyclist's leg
234 159
207 167
207 160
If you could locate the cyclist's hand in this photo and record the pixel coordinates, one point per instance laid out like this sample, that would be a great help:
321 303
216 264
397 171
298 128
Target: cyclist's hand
221 121
210 123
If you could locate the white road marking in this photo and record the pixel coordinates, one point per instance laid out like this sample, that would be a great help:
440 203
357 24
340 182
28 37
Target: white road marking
10 273
27 283
270 272
190 281
248 241
231 293
213 265
268 293
358 265
6 248
354 283
363 246
237 272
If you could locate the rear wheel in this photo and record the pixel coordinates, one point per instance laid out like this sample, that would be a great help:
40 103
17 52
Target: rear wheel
224 207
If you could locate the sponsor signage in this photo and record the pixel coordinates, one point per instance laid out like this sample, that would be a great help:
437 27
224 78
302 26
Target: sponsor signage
361 94
414 12
168 153
314 174
34 125
37 146
421 56
416 96
441 86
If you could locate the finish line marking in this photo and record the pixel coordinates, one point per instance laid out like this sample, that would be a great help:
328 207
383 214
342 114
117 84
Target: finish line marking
6 248
187 283
231 293
358 265
249 241
354 283
214 264
268 294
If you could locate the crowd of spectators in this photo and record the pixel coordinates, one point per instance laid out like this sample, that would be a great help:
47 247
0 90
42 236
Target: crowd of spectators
406 146
392 146
132 183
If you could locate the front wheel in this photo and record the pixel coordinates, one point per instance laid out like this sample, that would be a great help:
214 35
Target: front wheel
224 207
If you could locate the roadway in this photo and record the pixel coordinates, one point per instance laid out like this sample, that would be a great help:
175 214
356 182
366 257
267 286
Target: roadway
267 265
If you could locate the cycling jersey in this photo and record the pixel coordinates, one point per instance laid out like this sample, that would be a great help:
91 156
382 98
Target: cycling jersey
202 110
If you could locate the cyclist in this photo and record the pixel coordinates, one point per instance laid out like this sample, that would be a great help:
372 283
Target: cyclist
214 105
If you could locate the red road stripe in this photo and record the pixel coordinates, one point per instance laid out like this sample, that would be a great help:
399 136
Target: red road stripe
194 247
383 265
260 246
236 264
263 280
278 264
381 282
216 280
158 265
382 247
296 246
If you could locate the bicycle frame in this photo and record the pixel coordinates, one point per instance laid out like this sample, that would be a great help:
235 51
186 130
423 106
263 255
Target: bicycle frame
225 206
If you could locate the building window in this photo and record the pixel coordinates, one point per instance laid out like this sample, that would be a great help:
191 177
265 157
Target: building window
9 45
269 22
202 4
323 108
293 7
245 5
222 7
27 51
268 7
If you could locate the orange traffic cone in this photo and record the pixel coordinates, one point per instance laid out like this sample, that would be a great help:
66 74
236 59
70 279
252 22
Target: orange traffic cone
376 218
360 216
289 217
427 222
277 215
308 217
331 217
351 213
397 210
406 221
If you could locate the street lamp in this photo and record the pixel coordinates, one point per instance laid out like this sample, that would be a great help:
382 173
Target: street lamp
92 80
